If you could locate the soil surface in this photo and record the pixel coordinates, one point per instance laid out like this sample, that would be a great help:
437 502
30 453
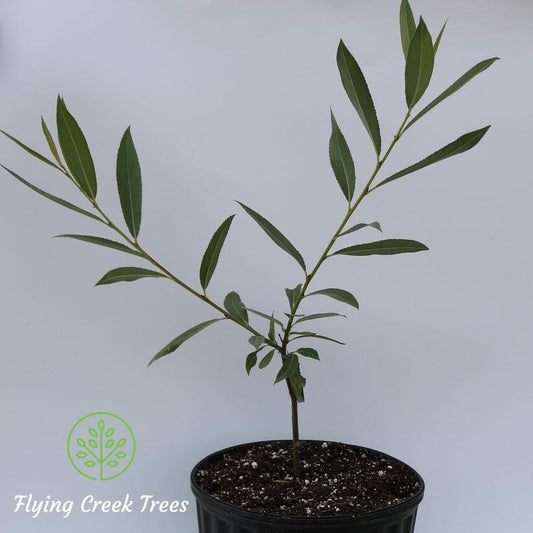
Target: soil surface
336 479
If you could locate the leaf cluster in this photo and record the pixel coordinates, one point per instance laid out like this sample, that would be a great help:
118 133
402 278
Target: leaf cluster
276 336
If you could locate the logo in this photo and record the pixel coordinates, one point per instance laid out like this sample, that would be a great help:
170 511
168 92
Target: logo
101 446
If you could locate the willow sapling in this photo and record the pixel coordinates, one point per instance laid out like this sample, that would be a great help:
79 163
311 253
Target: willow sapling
280 334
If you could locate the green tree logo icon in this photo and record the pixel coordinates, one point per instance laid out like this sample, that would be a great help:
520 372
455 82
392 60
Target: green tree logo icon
101 446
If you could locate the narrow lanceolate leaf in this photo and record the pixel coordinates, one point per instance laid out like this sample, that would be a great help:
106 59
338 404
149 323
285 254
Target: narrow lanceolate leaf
129 183
51 197
256 341
341 160
212 252
75 150
460 145
174 344
50 141
454 87
275 235
30 151
128 274
293 294
272 328
384 247
357 90
419 64
303 334
266 359
297 383
251 361
407 25
308 352
264 315
234 306
436 44
338 294
101 241
357 227
288 368
317 316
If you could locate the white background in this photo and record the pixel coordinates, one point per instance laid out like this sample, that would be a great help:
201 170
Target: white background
230 100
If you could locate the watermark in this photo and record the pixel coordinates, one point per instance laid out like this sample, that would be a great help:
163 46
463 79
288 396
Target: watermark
145 503
101 446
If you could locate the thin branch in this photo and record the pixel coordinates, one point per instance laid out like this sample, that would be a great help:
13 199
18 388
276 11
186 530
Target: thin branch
349 213
135 244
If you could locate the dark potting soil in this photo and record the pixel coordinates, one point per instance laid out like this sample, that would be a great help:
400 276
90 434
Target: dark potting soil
336 479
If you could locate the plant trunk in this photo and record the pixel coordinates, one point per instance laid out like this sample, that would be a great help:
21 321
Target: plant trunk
295 434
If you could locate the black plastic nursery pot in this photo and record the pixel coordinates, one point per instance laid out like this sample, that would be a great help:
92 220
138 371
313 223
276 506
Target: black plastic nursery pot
216 516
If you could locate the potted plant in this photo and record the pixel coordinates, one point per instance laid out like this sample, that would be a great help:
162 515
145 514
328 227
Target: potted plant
293 485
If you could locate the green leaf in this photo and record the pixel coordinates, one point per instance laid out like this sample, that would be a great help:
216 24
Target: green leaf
439 37
297 382
92 443
92 432
272 328
304 334
50 141
275 235
128 274
256 341
293 294
407 25
81 443
51 197
357 227
357 90
122 442
101 425
460 145
121 455
341 160
101 241
317 316
338 294
81 455
384 247
30 151
109 443
266 359
308 352
90 463
212 252
110 432
75 150
174 344
129 183
288 368
264 315
251 361
419 65
234 306
454 87
112 463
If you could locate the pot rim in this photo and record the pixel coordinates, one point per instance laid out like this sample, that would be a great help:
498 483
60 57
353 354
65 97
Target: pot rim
231 509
